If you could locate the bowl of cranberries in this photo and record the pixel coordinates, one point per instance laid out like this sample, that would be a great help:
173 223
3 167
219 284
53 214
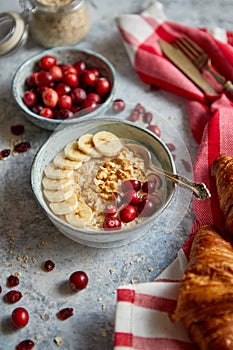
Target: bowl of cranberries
96 187
62 83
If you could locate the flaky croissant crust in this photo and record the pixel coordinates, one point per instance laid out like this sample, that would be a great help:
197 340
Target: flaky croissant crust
205 300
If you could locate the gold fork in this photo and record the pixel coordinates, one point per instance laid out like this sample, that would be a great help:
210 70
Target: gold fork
201 60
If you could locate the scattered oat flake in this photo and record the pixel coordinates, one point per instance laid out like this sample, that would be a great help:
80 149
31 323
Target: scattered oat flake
44 243
150 269
111 271
42 317
99 299
133 281
58 341
37 337
103 307
24 265
103 334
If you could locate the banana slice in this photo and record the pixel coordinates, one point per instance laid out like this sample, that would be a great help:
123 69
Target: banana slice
53 184
65 207
53 172
81 216
73 152
59 195
107 143
86 145
63 163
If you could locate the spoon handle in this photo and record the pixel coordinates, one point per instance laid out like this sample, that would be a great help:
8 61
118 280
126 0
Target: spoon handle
199 189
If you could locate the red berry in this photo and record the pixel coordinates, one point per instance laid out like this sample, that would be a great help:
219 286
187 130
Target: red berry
37 108
70 79
47 113
22 147
140 108
102 86
65 101
49 265
96 71
89 105
112 223
50 97
147 117
132 197
94 96
69 69
88 78
19 317
80 66
128 213
78 280
131 185
25 345
65 313
148 186
62 89
65 113
78 95
134 116
147 207
153 177
118 105
4 153
17 129
56 73
110 210
43 78
29 98
47 62
155 129
12 281
118 199
31 80
13 296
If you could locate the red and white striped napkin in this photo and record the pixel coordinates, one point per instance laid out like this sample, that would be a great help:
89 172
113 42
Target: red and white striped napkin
142 312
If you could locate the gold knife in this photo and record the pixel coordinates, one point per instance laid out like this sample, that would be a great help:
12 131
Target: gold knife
186 66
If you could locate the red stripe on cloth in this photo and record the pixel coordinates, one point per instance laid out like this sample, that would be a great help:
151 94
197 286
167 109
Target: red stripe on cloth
146 301
129 38
143 343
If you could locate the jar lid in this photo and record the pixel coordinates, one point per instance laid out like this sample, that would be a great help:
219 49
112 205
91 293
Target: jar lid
13 31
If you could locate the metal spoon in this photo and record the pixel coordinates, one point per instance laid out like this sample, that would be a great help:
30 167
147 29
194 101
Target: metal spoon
199 189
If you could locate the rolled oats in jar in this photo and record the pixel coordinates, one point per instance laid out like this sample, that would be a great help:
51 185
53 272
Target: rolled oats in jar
59 22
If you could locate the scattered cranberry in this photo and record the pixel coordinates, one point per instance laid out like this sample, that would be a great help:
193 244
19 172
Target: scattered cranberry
110 210
17 129
12 281
65 313
132 197
4 153
134 116
19 317
155 129
171 147
29 98
22 147
140 108
25 345
128 213
13 296
118 105
147 117
112 223
131 184
47 62
78 280
49 265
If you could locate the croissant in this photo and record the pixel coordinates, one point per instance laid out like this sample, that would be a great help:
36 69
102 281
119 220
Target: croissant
205 299
222 171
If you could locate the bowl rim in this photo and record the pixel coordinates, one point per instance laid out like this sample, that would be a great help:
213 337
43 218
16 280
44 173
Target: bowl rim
25 109
85 232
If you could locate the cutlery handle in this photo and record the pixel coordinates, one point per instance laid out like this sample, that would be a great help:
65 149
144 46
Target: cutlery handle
226 84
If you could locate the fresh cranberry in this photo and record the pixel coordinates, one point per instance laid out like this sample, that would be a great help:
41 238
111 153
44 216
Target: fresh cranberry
75 109
128 213
134 116
112 223
65 113
171 147
37 108
153 177
148 186
65 313
89 105
118 105
62 89
78 95
69 69
88 78
19 317
31 80
153 197
17 129
102 86
29 98
50 97
43 78
46 112
25 345
140 108
22 147
13 296
12 281
47 62
49 265
70 79
94 96
146 207
80 66
78 280
96 72
65 101
110 210
132 197
147 117
131 184
41 89
56 73
155 129
4 153
118 199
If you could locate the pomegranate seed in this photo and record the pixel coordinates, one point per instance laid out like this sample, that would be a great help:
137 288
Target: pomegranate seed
5 153
118 105
19 317
25 345
112 223
49 265
65 313
17 129
128 213
22 147
12 281
13 296
78 280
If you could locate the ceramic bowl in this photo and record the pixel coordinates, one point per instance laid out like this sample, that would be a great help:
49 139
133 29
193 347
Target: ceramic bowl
64 55
125 130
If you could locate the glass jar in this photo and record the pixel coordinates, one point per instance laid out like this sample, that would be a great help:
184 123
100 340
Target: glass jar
59 22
